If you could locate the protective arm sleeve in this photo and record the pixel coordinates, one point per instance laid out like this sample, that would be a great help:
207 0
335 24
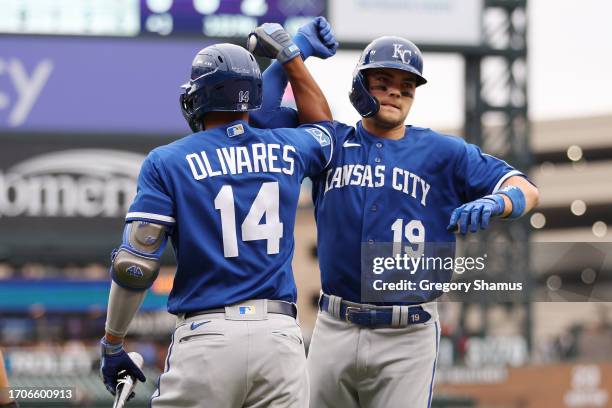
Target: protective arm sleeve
122 307
272 115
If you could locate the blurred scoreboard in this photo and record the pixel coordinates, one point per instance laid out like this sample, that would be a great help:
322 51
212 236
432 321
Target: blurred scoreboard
132 18
227 18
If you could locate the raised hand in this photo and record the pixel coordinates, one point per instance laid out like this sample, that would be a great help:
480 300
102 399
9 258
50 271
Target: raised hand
272 41
317 39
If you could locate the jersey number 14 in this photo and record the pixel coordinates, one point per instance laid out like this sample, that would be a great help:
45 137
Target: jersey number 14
265 204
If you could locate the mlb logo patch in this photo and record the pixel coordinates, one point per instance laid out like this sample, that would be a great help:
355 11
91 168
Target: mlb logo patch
235 130
320 136
246 310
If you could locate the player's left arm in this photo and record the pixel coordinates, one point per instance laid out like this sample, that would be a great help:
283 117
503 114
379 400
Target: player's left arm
489 187
516 197
513 203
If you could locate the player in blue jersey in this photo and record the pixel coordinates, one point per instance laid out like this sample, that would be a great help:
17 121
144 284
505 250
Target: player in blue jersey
388 183
226 196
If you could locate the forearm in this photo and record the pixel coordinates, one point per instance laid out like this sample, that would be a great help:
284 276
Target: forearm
4 398
311 102
3 377
123 305
274 84
135 266
531 193
516 197
271 114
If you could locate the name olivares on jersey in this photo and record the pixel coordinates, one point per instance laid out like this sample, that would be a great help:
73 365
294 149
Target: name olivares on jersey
256 158
374 176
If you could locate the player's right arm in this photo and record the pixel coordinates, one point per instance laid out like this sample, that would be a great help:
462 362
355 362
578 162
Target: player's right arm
313 39
134 267
311 103
5 400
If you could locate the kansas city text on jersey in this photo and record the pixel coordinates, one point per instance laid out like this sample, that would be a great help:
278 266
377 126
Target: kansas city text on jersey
256 158
374 176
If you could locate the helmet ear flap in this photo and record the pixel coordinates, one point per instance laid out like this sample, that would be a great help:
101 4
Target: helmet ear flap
362 101
187 109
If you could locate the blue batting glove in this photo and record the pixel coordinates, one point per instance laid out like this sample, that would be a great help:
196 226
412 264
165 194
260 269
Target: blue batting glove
316 38
115 363
476 213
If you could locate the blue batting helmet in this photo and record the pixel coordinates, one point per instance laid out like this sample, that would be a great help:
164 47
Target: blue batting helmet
384 52
224 77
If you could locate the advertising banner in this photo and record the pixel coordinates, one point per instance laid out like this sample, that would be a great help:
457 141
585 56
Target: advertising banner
65 198
92 85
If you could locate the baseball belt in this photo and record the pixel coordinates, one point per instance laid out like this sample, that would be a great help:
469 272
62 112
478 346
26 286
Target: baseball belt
274 306
370 315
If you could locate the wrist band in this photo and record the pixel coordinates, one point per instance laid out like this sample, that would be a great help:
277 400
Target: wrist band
110 348
517 198
288 53
302 42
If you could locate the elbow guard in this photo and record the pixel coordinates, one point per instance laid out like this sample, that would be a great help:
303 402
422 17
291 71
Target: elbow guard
135 264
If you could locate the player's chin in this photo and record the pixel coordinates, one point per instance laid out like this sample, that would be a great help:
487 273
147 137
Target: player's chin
390 119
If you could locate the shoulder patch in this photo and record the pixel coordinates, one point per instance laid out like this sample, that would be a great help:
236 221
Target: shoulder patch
320 136
235 130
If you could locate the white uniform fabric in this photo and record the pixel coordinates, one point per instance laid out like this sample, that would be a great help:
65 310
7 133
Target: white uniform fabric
350 366
218 363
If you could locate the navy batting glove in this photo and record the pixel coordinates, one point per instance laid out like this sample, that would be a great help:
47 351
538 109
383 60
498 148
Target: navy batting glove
476 214
316 38
114 364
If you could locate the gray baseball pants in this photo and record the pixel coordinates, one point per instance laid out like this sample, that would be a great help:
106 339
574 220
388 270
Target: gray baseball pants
350 366
218 363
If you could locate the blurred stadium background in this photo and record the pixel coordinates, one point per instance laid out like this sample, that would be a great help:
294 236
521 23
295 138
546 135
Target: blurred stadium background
87 88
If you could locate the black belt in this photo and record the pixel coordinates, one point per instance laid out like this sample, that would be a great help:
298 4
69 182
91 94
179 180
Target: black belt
373 316
274 306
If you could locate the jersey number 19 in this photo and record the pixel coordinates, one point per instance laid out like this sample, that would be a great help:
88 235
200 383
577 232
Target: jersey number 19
265 204
414 232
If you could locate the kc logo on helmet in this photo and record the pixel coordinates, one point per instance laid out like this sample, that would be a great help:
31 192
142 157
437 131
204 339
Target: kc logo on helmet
399 52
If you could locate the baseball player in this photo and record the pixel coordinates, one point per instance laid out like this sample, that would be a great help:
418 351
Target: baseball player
226 196
389 183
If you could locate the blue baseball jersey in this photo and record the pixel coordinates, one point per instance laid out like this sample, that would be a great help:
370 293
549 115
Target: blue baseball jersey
378 190
229 196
